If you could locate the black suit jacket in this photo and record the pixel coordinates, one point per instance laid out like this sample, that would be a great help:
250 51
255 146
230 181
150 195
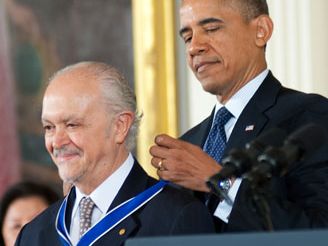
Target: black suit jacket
171 212
299 199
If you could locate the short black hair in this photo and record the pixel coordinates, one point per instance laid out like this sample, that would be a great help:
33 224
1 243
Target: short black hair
250 9
22 190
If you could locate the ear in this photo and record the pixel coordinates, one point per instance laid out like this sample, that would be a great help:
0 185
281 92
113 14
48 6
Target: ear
264 29
123 122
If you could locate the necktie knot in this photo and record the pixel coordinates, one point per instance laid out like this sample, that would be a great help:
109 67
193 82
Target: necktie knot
86 207
222 117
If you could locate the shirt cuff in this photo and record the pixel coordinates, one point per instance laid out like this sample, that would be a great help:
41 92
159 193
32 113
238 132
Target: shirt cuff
224 209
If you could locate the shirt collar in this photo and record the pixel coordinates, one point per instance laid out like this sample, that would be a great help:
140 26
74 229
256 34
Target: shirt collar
109 188
239 100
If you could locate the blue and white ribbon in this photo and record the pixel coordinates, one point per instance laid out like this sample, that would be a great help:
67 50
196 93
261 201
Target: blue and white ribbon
111 219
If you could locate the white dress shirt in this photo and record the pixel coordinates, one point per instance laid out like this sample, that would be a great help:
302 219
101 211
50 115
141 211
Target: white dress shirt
108 190
236 105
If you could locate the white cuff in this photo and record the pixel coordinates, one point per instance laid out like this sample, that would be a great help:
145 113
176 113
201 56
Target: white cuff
224 209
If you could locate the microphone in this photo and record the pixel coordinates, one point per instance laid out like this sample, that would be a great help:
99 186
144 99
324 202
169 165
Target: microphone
240 161
275 161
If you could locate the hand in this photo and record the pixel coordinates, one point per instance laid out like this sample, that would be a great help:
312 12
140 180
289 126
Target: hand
182 163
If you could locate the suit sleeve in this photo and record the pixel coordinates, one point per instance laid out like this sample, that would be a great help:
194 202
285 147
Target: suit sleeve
193 218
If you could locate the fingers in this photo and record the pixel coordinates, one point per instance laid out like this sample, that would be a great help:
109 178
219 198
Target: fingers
155 162
159 164
158 151
167 159
188 181
166 146
167 141
182 163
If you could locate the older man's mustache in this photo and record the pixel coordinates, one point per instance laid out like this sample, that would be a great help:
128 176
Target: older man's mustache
66 150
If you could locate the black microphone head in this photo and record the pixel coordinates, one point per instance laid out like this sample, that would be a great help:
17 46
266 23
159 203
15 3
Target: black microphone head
273 137
236 163
239 161
304 141
307 138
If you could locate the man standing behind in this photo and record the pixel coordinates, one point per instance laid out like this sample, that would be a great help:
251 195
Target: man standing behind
225 47
90 123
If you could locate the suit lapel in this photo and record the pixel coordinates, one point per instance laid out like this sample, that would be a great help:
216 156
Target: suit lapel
135 183
201 136
69 208
254 114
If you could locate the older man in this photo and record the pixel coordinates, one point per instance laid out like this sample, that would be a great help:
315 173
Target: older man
90 122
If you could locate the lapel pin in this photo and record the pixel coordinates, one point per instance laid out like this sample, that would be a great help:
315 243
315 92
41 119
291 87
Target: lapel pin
249 128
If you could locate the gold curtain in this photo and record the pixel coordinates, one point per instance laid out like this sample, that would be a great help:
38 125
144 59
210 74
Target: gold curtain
155 75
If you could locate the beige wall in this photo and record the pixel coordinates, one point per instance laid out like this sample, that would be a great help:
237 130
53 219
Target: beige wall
298 49
319 34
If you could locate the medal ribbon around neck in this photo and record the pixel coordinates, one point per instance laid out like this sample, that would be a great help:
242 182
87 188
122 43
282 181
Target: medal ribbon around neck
111 219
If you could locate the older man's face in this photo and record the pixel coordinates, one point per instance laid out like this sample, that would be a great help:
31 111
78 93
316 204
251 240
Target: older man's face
78 131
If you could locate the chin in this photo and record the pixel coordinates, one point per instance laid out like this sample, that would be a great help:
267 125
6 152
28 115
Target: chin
68 177
210 88
213 86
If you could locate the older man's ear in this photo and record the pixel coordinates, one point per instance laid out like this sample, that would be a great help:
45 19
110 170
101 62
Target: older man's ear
122 124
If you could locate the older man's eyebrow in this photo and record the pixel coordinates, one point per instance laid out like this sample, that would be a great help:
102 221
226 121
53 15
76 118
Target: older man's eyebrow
44 121
200 23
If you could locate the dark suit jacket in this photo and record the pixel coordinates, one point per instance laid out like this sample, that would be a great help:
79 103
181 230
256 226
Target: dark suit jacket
299 199
171 212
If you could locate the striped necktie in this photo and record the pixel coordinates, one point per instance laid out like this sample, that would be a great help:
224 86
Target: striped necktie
217 139
215 146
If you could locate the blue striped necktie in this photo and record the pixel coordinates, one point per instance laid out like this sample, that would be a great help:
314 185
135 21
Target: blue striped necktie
214 146
217 139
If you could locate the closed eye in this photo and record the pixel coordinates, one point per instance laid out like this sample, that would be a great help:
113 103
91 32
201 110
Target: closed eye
71 125
212 29
211 24
187 39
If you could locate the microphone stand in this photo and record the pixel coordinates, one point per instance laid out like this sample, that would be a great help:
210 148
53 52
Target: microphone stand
262 207
259 185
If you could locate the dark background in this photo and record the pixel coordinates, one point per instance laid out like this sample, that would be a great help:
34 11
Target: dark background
46 35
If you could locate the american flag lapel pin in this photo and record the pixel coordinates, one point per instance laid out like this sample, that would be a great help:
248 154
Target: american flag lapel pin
249 128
